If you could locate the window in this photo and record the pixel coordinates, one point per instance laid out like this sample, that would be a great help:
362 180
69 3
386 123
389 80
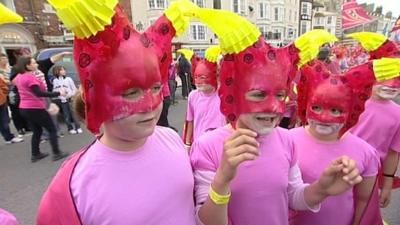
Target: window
276 14
200 52
329 21
200 3
277 34
305 8
239 6
157 4
264 31
217 4
263 8
304 27
290 33
198 32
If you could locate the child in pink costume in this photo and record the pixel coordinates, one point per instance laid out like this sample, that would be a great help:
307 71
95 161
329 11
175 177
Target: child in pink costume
7 218
330 105
203 111
135 172
254 81
379 125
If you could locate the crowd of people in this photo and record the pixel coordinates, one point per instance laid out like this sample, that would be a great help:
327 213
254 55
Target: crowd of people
338 144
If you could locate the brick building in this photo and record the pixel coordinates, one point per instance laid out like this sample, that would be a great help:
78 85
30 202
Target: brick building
40 29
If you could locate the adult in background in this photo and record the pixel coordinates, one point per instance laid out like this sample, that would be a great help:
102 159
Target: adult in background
12 98
32 92
4 118
184 69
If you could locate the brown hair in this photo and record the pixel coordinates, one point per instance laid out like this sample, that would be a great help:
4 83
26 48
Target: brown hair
22 62
57 69
79 105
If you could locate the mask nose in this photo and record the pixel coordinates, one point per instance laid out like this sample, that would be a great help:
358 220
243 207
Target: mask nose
273 105
150 101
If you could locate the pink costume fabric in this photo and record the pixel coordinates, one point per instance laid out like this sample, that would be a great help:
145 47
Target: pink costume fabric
263 189
29 100
122 189
151 185
314 155
204 111
380 117
7 218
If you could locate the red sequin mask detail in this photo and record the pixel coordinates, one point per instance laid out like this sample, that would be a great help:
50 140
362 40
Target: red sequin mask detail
258 67
204 72
118 59
321 95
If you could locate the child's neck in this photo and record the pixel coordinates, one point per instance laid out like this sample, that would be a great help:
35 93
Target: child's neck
120 144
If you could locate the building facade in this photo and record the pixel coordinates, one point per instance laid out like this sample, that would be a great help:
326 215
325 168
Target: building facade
277 20
40 29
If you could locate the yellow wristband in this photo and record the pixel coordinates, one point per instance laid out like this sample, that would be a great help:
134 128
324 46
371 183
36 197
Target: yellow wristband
219 199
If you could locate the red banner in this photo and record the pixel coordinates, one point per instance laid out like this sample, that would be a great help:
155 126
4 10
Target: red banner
354 15
396 26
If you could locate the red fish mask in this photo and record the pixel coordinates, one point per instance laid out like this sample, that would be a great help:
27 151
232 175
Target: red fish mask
259 67
204 71
118 59
334 98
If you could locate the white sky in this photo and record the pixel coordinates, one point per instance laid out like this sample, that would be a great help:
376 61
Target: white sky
392 5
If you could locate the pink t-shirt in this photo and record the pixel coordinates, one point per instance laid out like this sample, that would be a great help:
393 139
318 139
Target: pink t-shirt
314 156
7 218
29 100
204 110
379 125
260 187
152 185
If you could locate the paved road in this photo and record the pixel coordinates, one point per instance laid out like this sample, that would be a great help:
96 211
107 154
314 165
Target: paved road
23 183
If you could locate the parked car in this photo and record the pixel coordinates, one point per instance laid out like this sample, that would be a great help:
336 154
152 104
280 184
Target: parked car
67 62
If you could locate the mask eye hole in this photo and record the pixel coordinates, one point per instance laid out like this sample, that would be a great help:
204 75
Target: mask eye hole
133 93
336 112
156 88
281 95
316 108
256 95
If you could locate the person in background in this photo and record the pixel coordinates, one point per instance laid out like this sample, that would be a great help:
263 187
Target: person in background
32 92
379 124
12 98
203 112
4 117
163 120
172 81
63 83
184 69
324 56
